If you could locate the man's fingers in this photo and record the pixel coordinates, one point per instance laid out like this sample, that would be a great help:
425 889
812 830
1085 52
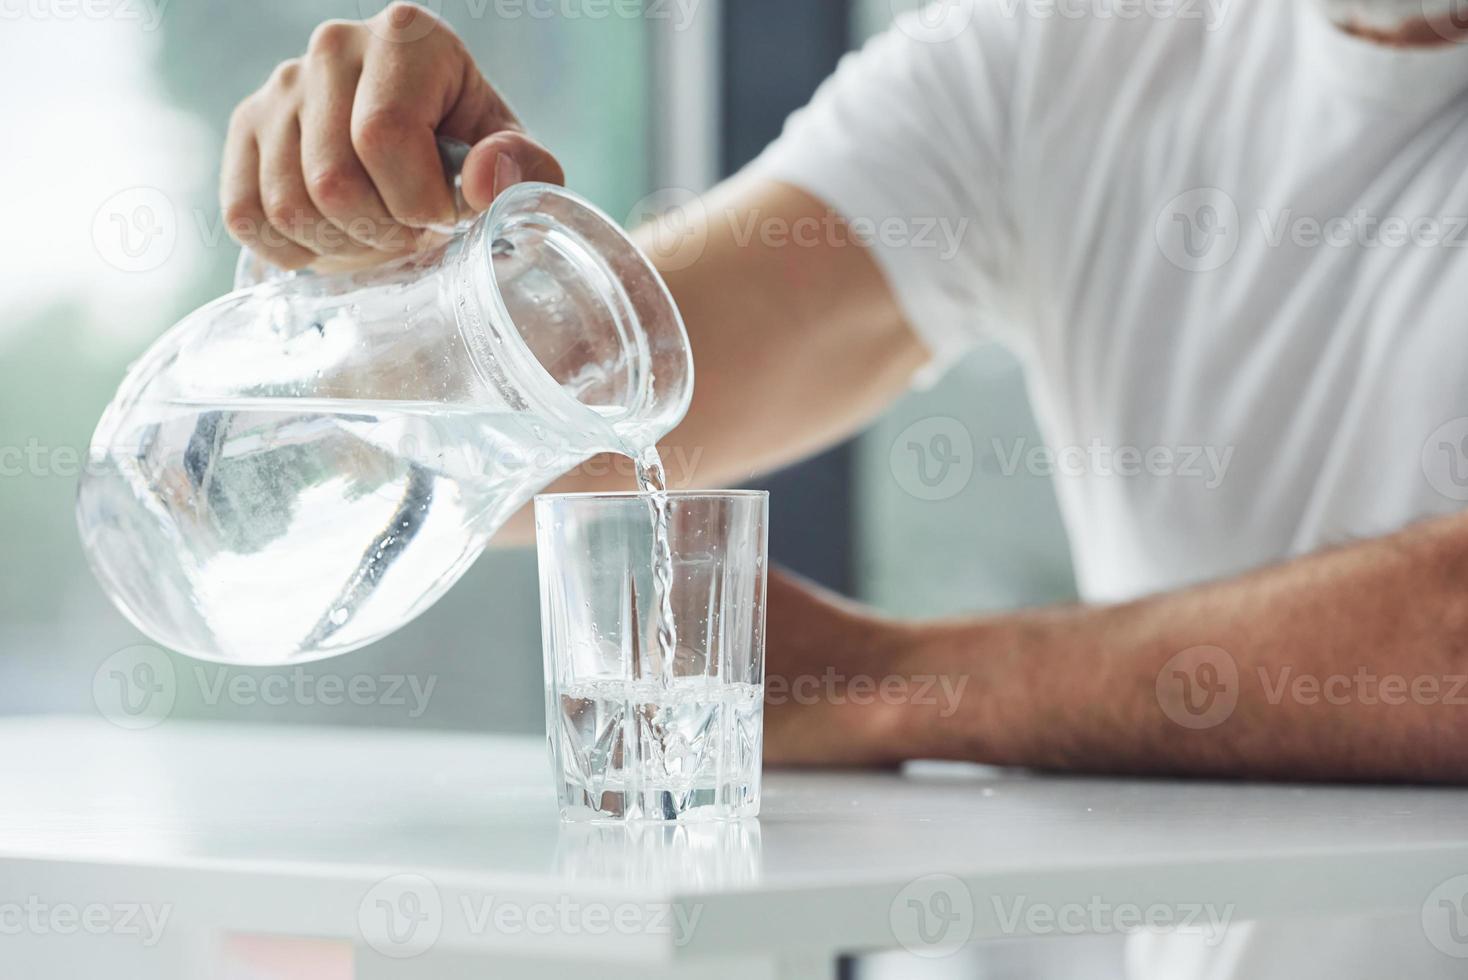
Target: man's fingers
239 198
499 161
336 180
402 96
334 162
288 205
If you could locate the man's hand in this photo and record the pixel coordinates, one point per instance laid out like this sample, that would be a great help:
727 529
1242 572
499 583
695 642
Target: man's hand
333 162
827 658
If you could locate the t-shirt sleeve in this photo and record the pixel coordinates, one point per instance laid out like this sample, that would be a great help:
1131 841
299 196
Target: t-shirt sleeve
908 142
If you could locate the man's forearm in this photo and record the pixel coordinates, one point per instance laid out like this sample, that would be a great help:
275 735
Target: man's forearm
1347 664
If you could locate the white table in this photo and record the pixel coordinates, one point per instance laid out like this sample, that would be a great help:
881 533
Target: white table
380 844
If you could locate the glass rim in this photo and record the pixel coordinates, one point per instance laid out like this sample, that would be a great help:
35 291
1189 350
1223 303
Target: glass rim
612 496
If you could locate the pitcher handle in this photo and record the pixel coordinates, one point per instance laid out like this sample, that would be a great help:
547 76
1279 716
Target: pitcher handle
251 270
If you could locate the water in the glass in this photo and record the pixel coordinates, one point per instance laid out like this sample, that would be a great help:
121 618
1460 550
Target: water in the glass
652 613
662 749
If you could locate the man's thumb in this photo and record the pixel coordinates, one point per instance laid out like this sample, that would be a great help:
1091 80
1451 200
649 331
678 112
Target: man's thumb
497 162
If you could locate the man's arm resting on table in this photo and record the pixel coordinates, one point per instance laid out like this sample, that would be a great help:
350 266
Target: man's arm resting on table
1348 664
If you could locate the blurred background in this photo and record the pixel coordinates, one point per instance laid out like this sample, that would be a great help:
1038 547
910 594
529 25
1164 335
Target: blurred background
115 119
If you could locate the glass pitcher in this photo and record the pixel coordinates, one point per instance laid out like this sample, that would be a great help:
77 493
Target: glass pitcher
302 466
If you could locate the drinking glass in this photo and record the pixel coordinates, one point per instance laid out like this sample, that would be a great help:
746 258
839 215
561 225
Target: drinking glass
637 734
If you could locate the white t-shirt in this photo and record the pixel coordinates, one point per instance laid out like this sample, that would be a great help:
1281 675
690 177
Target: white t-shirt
1232 253
1230 247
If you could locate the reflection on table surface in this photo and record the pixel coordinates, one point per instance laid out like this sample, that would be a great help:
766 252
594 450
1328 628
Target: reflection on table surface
692 856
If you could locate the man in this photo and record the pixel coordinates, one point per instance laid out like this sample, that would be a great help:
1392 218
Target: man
1238 230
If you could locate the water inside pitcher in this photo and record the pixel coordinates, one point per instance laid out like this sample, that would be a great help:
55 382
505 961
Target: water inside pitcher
302 466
